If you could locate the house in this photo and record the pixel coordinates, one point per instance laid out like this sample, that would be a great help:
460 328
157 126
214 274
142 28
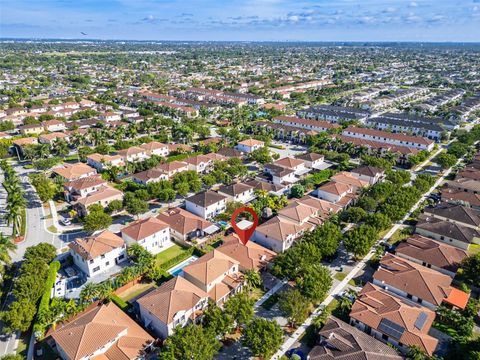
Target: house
185 226
217 274
103 196
176 302
430 131
279 234
156 148
334 114
250 256
281 175
325 208
267 187
76 189
300 213
98 253
415 142
239 192
54 125
456 196
109 116
349 179
19 144
206 204
297 165
432 254
455 213
393 320
199 163
418 283
151 233
249 145
337 193
149 176
70 172
52 137
312 160
179 148
230 152
133 154
102 331
468 173
31 129
314 125
341 341
172 168
367 173
448 232
103 162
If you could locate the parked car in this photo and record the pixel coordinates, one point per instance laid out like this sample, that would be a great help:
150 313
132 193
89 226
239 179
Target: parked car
65 222
299 354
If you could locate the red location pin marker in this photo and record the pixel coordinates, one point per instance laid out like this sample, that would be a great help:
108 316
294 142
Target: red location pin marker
244 234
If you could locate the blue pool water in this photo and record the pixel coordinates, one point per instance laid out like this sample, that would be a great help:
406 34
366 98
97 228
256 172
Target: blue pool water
178 269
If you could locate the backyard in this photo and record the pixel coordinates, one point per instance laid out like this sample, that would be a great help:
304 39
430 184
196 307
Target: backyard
171 253
136 290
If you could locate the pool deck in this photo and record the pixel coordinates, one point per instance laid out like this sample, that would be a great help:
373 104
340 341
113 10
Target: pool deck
177 268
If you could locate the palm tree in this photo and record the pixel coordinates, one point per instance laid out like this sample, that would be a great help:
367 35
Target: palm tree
252 279
43 151
6 245
89 293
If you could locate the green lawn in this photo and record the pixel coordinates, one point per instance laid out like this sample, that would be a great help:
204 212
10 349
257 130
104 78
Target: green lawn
170 253
400 235
340 276
135 290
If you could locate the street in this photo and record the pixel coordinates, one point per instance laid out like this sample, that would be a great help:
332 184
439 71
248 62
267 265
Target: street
291 340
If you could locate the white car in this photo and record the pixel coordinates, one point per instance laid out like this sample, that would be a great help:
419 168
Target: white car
66 222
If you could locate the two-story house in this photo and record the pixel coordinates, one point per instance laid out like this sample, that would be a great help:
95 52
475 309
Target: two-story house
176 302
76 189
238 192
418 283
217 274
151 233
249 145
206 204
98 253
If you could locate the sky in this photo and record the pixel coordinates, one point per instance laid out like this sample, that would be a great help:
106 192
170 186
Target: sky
247 20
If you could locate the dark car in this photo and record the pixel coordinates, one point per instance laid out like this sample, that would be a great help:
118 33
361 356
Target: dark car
297 352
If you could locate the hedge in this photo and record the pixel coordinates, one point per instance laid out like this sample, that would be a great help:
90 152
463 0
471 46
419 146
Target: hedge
52 276
122 304
23 222
177 259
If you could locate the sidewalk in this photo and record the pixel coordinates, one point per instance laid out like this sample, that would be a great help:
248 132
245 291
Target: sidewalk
290 341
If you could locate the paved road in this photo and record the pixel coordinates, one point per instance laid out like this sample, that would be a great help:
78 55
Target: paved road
293 338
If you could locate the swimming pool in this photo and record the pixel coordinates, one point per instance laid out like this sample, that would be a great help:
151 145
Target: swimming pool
178 269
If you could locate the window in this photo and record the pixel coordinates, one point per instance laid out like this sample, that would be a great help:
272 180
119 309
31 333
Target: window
91 261
107 263
95 269
384 337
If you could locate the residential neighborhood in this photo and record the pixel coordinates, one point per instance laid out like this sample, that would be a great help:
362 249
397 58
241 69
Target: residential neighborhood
124 164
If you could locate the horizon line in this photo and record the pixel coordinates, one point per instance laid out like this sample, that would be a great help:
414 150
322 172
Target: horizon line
241 41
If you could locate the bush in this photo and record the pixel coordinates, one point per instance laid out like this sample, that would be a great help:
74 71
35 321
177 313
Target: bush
122 304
